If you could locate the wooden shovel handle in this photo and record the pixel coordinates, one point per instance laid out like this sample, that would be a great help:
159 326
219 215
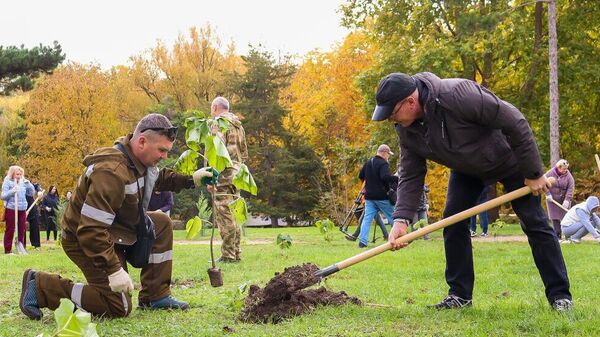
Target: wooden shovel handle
559 205
597 161
437 225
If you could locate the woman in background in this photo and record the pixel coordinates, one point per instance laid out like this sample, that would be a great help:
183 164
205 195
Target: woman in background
49 206
561 192
15 186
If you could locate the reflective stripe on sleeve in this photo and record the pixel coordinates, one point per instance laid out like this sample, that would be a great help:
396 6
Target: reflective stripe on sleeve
89 170
161 257
97 214
133 187
76 292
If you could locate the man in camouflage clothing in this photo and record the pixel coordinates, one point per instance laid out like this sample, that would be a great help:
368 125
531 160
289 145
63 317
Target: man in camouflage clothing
225 193
101 220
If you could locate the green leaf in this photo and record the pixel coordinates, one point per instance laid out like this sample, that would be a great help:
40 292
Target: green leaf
284 241
243 180
239 210
187 163
223 123
63 313
326 227
216 153
73 324
196 133
204 210
193 227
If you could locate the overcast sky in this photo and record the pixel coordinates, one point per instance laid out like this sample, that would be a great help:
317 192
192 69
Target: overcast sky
108 32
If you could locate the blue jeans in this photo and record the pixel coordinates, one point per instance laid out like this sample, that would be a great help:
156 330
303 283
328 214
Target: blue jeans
371 209
483 216
578 230
483 222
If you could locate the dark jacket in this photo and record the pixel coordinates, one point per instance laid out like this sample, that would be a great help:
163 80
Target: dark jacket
376 172
423 202
50 200
161 201
468 129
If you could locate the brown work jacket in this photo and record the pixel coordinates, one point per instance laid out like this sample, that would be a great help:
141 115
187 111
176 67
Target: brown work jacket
103 211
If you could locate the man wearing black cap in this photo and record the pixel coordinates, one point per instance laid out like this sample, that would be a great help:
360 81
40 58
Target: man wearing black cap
378 180
482 139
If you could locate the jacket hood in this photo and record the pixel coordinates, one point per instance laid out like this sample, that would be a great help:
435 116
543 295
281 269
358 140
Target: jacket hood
103 154
591 203
233 119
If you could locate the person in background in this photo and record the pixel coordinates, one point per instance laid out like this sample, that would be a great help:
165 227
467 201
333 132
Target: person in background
49 206
225 191
34 217
582 220
161 201
15 186
68 195
376 173
483 216
422 211
561 192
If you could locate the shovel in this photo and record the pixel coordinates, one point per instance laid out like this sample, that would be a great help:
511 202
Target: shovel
20 248
427 229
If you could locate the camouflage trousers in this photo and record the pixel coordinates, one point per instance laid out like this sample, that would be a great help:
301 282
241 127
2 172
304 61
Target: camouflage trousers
223 218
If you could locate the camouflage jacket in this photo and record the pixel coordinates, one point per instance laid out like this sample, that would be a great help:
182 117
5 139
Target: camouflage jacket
103 210
235 141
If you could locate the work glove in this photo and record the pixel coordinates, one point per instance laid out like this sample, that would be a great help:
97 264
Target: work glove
120 281
206 176
549 197
566 204
48 209
426 207
39 194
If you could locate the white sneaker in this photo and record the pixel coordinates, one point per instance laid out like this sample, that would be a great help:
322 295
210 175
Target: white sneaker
575 240
473 234
564 241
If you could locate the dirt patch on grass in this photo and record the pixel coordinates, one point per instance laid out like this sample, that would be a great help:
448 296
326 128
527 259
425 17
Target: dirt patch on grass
284 297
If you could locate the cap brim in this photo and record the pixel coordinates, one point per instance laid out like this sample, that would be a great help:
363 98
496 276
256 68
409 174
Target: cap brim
382 112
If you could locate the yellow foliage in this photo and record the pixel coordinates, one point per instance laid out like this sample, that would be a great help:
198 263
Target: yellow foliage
324 102
191 74
10 106
70 114
327 108
437 179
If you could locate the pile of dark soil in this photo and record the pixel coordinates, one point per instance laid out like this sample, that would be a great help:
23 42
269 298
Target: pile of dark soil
283 296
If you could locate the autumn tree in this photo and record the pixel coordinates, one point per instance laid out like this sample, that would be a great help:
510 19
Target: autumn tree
191 73
284 166
69 115
327 108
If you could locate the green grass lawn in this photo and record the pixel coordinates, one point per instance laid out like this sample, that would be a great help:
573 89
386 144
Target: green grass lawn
508 300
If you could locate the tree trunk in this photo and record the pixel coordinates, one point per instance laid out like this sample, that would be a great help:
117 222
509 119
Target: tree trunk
553 59
274 222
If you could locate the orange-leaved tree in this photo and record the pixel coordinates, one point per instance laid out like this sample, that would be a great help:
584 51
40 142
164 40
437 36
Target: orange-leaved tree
327 108
69 115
